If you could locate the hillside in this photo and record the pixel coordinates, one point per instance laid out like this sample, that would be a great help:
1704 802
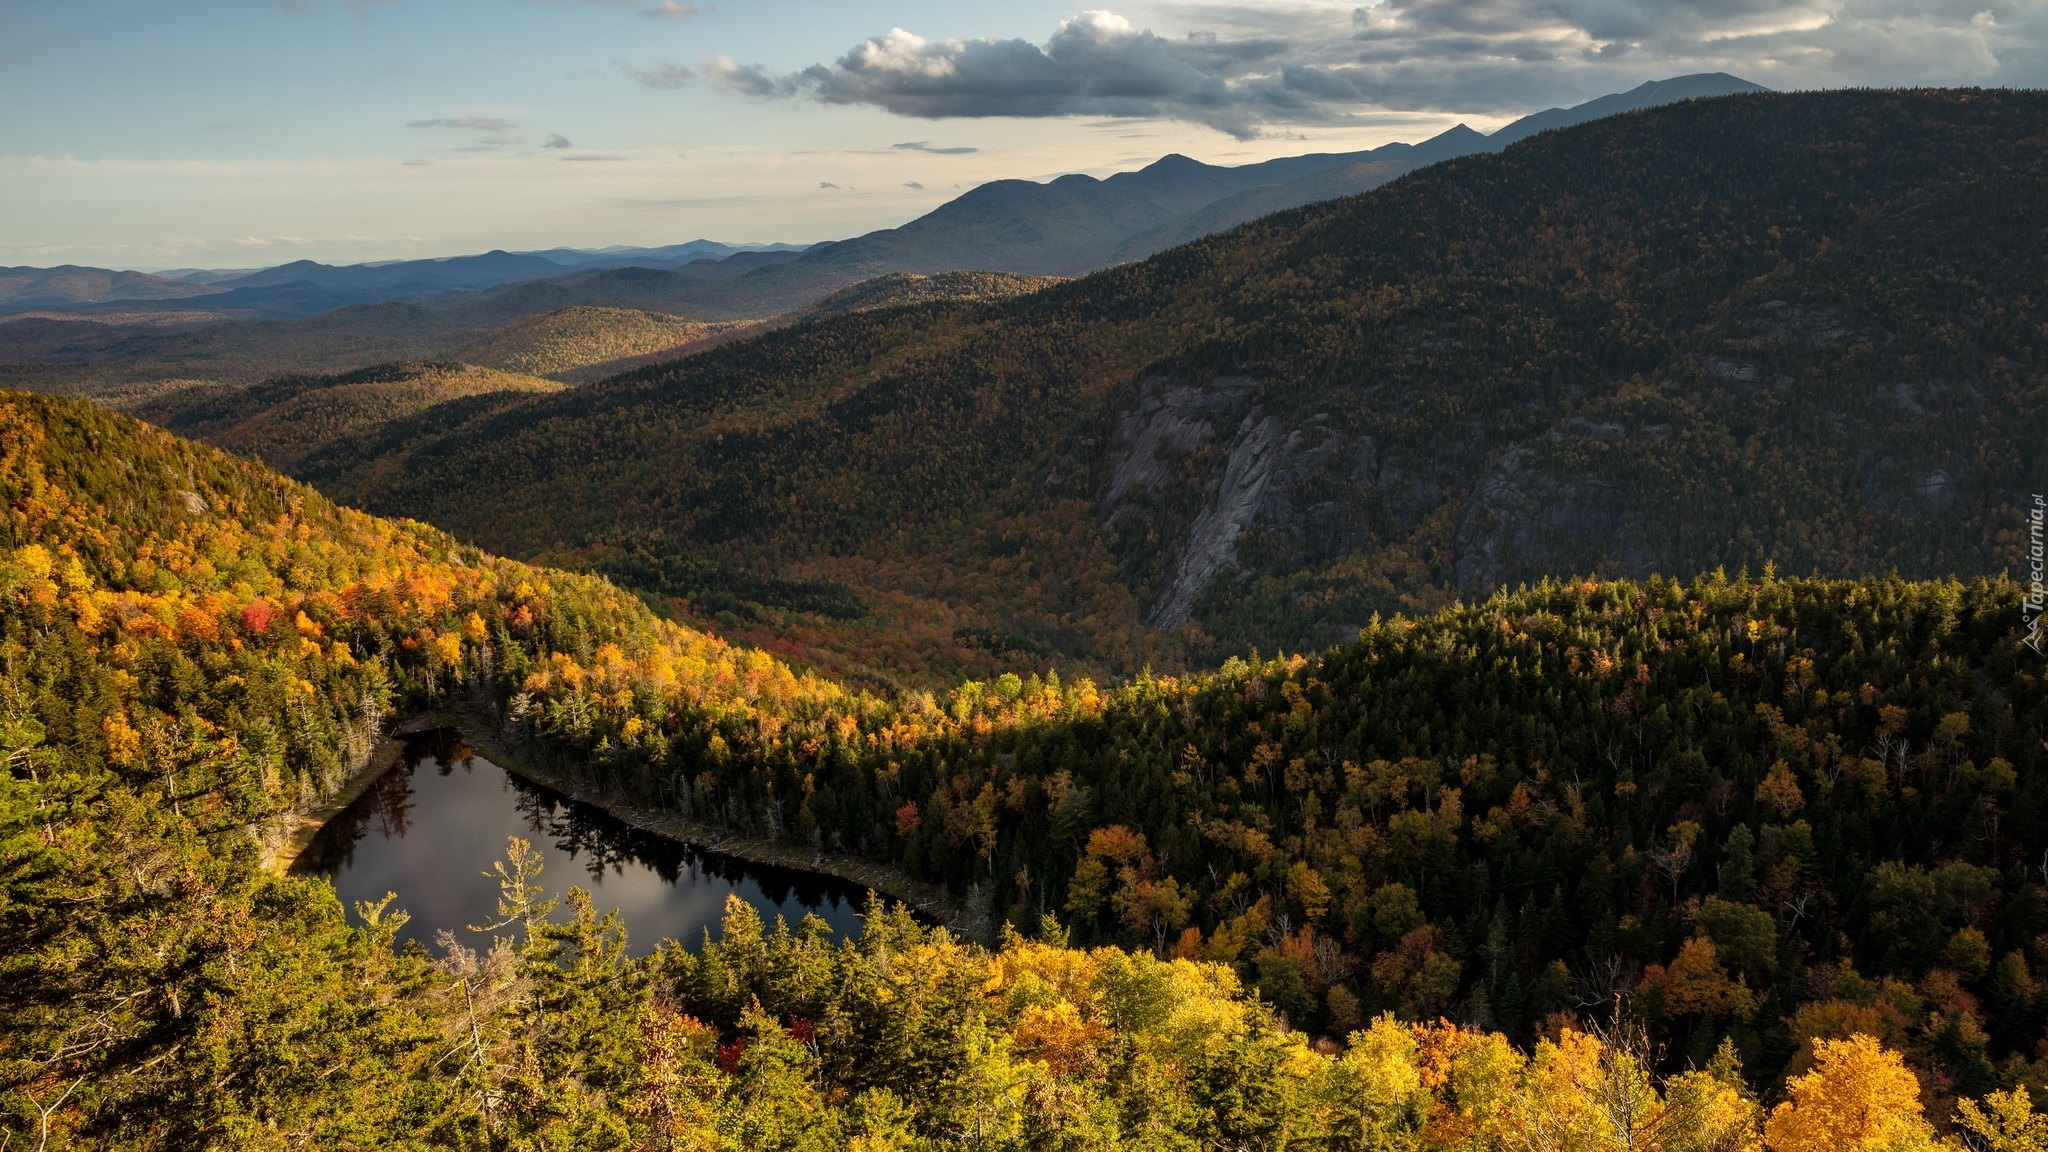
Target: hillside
281 421
902 289
1796 329
578 344
1509 814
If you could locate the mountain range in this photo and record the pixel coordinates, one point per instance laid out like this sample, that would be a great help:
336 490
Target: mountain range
1068 226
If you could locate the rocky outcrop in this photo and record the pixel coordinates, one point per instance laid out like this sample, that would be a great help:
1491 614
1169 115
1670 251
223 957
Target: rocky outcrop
1521 520
1170 419
1928 492
1211 546
1199 467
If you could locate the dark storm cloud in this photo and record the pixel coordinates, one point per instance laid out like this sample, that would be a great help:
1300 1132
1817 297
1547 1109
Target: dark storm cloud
1246 67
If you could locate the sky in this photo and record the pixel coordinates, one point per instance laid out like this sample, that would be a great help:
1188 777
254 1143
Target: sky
245 133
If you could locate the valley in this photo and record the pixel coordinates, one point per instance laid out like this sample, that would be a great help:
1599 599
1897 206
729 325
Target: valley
1498 368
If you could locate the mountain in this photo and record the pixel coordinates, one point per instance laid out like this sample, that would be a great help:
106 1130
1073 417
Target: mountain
1652 94
26 289
305 288
1702 335
583 343
1252 203
1077 223
405 277
667 255
1370 170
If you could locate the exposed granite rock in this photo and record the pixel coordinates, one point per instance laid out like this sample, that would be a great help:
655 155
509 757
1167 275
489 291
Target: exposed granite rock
1928 492
1521 519
1211 546
1170 418
1779 322
1935 489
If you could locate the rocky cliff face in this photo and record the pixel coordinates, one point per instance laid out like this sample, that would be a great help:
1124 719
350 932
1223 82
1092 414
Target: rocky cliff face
1521 520
1204 473
1302 487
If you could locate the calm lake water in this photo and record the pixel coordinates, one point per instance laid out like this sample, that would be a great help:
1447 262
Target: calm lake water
430 828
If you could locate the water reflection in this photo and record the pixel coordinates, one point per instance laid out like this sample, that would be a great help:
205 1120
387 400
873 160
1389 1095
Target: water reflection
430 827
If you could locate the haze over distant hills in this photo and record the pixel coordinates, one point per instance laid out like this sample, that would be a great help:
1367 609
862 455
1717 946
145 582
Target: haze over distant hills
1067 226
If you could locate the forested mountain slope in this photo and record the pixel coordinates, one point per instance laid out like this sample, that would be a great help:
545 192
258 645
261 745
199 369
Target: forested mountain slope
1364 171
1796 328
1791 824
280 421
580 344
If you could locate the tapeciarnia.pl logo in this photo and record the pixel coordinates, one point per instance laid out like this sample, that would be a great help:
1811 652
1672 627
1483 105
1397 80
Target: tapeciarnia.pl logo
2037 577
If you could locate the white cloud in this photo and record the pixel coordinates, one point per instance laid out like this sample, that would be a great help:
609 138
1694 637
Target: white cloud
557 141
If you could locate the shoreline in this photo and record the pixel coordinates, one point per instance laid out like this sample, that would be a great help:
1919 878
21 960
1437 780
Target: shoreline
289 835
479 732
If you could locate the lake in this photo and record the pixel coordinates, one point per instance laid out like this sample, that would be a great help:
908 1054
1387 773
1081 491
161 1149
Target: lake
430 828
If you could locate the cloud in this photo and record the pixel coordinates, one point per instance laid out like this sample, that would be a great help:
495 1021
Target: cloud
913 184
417 163
921 146
1253 69
480 123
748 79
667 76
557 141
827 184
594 158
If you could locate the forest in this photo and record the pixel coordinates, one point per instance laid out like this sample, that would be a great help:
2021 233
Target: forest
1607 726
1445 887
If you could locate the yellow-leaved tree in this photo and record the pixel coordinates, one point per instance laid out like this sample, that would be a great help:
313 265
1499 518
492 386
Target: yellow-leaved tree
1859 1097
2006 1123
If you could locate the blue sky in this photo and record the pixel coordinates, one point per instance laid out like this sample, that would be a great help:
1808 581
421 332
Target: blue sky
231 133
